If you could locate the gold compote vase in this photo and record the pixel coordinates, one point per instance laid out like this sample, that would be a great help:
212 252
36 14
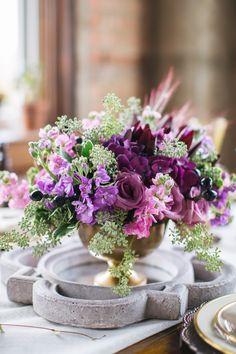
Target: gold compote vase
142 248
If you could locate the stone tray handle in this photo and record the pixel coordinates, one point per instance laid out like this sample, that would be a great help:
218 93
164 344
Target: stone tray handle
168 304
20 285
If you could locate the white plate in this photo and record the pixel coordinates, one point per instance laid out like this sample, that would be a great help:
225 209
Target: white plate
203 323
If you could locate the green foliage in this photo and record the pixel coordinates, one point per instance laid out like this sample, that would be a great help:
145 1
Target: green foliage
102 156
68 125
133 108
80 165
110 123
205 163
199 240
122 272
110 236
31 174
174 148
40 226
215 172
87 148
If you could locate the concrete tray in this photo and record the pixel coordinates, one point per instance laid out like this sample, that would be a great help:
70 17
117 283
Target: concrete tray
60 287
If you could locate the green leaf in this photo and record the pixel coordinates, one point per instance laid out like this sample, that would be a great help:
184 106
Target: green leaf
63 230
65 155
87 147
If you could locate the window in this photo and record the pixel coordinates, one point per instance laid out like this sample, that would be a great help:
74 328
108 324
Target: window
19 51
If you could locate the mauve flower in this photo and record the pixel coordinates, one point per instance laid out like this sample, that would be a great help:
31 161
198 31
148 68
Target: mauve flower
57 165
140 227
194 212
105 197
20 196
174 207
131 191
67 142
64 186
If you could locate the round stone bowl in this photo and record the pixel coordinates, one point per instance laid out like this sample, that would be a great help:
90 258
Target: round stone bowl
72 268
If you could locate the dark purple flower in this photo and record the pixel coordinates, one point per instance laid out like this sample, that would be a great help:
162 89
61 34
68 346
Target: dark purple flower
131 191
105 197
144 136
182 170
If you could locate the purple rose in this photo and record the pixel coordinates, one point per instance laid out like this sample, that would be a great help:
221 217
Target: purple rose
131 191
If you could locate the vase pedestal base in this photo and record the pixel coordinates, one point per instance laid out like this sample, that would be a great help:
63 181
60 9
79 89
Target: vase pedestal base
106 279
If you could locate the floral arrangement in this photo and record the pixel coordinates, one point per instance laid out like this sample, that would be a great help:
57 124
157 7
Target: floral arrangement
126 169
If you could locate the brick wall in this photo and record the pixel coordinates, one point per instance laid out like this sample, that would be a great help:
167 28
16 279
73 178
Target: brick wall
126 46
110 50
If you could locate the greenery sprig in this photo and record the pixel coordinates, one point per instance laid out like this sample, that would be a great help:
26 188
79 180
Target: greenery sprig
69 125
174 148
198 239
109 237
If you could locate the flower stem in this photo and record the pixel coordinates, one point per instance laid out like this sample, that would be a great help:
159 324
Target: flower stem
49 329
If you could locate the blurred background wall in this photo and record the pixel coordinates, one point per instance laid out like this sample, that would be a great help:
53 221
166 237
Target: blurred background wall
127 47
88 48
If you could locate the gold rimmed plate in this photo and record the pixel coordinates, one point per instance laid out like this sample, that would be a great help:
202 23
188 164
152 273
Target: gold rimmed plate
204 322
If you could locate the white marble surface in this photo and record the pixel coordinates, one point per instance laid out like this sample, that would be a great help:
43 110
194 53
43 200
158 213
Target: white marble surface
17 340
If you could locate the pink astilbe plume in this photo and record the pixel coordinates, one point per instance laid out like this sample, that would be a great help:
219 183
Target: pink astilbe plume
182 115
160 96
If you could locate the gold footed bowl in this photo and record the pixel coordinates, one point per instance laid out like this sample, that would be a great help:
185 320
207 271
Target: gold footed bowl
142 248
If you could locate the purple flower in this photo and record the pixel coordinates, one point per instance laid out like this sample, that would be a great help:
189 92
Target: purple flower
67 143
45 144
105 197
84 211
58 165
131 191
174 207
222 219
45 183
101 176
182 170
64 186
85 186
